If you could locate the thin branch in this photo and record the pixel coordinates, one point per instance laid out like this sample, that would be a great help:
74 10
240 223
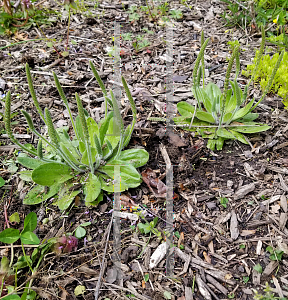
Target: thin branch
97 290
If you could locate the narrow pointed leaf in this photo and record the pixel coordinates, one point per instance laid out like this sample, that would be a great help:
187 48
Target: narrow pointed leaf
225 133
239 136
251 129
243 111
69 154
30 163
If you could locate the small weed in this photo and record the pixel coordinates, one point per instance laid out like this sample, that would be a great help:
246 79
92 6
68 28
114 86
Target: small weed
155 13
275 254
268 295
245 279
224 201
258 268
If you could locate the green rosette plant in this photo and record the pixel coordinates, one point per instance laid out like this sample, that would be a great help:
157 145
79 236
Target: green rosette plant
91 161
220 116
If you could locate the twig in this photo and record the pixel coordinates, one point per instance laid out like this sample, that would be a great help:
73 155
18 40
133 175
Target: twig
126 290
165 155
96 293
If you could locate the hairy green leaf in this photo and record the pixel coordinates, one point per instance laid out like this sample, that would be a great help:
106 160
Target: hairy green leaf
30 163
51 173
205 116
92 188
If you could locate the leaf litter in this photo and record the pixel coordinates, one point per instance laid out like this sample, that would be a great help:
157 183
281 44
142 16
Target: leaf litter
218 247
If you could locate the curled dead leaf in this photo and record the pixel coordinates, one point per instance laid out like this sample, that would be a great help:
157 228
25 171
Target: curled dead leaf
156 186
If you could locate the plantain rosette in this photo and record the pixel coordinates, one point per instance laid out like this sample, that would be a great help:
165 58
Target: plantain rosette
91 162
234 121
67 183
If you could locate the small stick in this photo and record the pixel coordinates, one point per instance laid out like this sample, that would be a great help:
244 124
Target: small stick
96 293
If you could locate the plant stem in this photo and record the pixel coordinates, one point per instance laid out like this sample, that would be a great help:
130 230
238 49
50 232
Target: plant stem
13 44
28 263
68 29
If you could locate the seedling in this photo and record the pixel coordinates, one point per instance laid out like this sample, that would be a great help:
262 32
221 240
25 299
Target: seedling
224 201
268 295
275 254
176 14
80 231
149 227
258 268
8 270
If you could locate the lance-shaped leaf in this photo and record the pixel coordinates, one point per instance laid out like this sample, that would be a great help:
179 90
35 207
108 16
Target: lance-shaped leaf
251 127
133 108
243 111
239 136
205 116
30 163
68 154
104 127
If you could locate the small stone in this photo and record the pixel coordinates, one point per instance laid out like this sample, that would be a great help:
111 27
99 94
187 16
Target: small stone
241 269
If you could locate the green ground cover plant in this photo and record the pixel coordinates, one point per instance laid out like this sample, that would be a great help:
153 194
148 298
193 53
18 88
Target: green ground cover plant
220 116
264 70
268 295
12 273
24 15
154 11
256 13
92 161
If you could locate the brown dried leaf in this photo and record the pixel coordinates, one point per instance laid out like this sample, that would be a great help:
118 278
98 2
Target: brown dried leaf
207 257
126 201
20 36
176 140
156 186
